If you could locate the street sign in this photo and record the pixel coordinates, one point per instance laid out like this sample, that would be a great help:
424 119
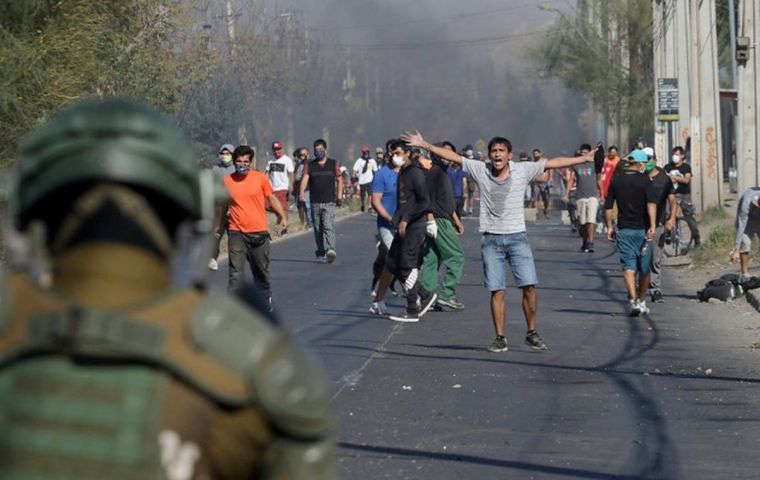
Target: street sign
667 99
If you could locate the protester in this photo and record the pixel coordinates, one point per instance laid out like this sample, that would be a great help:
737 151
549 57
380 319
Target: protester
502 223
248 227
281 173
635 228
126 368
571 197
680 174
364 171
445 249
747 226
380 159
323 180
301 157
384 197
661 192
222 168
584 181
540 187
414 221
469 152
458 186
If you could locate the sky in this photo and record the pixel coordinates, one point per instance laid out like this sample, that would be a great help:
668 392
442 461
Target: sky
461 68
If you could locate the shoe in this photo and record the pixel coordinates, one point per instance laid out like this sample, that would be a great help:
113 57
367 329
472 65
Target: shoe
643 307
321 259
426 302
590 248
410 316
533 340
633 306
378 308
656 297
213 264
373 294
584 248
499 344
393 291
330 256
450 304
411 279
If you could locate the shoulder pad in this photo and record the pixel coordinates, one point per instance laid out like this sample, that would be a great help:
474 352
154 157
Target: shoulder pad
291 390
5 302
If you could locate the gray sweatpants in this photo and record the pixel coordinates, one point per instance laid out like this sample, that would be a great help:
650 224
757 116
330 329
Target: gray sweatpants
655 270
252 248
323 219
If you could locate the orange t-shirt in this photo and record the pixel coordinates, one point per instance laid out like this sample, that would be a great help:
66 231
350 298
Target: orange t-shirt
247 197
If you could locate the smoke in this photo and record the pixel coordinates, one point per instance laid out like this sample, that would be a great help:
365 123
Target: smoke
454 70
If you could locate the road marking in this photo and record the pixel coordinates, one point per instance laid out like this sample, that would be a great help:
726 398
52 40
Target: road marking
352 378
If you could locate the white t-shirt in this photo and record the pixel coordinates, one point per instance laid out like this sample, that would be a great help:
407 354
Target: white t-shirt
278 171
501 201
366 177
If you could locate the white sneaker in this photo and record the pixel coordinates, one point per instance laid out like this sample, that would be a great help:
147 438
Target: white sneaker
379 308
634 307
213 264
643 307
321 259
330 256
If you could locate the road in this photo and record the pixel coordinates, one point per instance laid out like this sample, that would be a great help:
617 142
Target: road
672 395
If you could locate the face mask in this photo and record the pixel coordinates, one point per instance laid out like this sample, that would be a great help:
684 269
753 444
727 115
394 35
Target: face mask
226 158
320 154
242 168
650 166
675 158
398 160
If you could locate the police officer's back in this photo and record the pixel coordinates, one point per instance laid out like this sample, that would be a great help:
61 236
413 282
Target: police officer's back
108 369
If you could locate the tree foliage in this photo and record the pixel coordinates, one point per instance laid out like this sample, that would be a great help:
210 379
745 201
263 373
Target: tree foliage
604 50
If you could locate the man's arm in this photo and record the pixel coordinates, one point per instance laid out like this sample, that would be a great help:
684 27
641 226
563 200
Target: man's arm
277 208
570 183
304 184
339 195
652 213
377 204
416 140
673 206
561 162
742 217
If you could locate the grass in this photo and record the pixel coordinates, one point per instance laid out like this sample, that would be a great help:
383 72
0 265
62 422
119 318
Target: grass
716 248
714 214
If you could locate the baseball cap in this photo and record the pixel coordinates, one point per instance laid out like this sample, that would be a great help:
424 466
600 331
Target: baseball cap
228 147
649 151
277 146
638 156
365 149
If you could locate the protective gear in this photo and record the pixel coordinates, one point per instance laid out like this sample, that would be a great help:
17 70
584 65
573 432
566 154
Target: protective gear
675 158
398 160
113 140
650 165
319 154
242 168
226 158
431 229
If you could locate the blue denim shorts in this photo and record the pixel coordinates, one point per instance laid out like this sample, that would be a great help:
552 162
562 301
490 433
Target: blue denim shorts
497 250
629 244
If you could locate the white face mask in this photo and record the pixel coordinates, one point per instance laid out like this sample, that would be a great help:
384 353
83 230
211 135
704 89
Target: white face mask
398 160
675 158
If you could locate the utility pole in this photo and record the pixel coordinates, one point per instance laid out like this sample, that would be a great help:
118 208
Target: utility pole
747 148
695 105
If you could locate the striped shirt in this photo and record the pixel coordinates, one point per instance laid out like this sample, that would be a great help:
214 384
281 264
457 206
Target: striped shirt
501 201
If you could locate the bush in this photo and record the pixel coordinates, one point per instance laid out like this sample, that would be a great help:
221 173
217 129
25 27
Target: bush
715 250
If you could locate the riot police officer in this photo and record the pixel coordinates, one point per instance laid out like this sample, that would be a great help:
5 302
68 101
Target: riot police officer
112 368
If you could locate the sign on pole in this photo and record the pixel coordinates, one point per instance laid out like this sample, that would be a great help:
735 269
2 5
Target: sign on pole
667 99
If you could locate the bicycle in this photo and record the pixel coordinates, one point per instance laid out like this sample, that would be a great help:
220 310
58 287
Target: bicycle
678 241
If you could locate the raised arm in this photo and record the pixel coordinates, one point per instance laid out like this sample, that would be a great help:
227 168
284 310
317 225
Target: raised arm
561 162
416 140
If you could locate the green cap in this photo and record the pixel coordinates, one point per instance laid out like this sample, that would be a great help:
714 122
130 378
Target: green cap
117 140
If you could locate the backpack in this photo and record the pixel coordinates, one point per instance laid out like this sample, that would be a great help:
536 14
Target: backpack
719 288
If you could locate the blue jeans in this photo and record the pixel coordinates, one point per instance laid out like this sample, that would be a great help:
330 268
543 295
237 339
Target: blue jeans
499 249
630 241
323 219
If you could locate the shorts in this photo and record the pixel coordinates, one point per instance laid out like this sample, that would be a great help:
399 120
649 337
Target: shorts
629 244
587 209
498 249
750 231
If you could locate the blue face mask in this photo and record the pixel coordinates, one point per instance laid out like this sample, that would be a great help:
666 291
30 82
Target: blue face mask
320 154
242 168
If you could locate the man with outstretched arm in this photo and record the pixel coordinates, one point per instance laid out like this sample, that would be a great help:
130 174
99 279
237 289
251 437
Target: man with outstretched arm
502 223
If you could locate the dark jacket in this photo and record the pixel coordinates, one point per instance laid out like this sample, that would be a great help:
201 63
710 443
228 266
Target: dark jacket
413 201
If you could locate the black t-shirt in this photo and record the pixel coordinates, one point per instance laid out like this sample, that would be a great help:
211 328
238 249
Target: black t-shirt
322 180
684 168
658 193
412 199
629 191
441 194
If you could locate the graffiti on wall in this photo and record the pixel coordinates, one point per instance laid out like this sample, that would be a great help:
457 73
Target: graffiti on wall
712 153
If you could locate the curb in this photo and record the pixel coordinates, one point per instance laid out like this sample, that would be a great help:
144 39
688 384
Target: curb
753 299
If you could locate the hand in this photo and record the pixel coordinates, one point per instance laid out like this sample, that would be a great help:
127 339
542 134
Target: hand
611 233
670 224
302 196
650 234
283 225
402 229
566 199
414 139
431 228
735 256
459 226
339 201
217 235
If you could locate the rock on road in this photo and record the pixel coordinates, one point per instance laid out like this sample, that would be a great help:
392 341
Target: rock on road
671 395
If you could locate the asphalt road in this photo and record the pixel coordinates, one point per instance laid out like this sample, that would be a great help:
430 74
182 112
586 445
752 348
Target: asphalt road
671 395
